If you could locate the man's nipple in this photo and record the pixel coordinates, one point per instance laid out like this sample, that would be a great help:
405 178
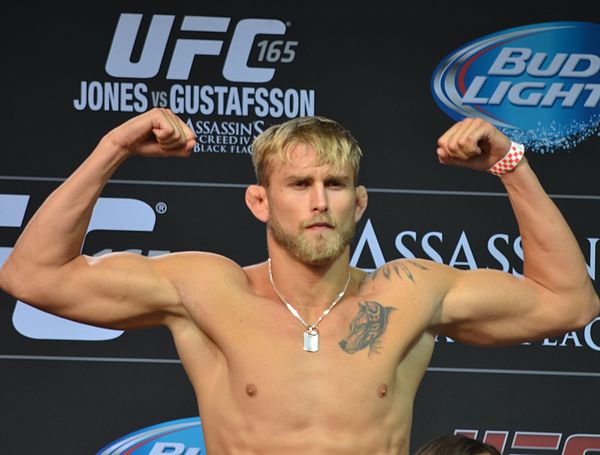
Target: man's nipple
251 390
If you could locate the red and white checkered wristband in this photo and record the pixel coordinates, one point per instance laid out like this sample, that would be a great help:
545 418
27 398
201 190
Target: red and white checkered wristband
510 161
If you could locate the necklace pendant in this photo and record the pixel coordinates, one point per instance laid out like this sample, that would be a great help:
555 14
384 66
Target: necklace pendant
311 340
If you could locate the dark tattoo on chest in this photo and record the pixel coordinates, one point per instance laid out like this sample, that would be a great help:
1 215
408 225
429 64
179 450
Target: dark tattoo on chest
367 327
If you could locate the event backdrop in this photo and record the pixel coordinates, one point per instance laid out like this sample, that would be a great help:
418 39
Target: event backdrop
397 77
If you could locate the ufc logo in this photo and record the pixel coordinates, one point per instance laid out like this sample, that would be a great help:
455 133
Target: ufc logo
523 441
12 212
113 214
235 69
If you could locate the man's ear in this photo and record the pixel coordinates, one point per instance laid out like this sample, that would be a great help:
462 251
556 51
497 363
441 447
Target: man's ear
362 198
257 202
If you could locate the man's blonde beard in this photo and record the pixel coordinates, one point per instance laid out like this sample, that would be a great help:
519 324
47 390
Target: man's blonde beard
315 249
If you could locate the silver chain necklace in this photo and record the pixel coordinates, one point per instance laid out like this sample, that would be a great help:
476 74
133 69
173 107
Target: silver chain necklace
311 335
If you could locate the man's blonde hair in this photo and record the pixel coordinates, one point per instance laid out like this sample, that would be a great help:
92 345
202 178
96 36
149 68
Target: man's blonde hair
334 145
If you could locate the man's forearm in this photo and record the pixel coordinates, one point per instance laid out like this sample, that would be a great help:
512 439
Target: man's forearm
552 256
55 233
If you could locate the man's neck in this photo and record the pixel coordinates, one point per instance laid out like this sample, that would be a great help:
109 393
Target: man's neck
308 288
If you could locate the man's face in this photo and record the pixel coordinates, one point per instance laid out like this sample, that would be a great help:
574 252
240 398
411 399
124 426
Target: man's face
312 208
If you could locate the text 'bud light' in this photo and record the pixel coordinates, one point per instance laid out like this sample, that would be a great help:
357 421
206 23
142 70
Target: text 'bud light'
540 83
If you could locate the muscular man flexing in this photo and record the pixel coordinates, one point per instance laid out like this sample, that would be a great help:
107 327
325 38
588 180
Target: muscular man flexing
302 353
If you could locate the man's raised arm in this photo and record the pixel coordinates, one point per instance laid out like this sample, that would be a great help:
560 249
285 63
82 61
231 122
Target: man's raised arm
120 290
554 296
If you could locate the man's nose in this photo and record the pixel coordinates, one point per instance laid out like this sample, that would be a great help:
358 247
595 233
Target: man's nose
319 199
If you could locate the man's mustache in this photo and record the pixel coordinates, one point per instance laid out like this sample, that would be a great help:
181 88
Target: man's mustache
320 219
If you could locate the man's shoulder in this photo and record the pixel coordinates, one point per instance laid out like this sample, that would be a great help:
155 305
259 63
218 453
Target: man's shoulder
199 263
419 273
405 268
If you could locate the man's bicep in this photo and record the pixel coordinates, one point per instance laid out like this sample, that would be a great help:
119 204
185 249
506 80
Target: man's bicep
488 307
119 290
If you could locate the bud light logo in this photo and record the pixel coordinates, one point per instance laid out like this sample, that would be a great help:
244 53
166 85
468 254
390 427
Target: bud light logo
539 84
177 437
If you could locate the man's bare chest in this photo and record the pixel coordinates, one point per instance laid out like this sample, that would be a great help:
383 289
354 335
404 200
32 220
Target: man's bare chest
362 333
261 364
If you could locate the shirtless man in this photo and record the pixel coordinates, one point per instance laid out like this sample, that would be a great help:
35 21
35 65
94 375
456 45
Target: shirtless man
265 382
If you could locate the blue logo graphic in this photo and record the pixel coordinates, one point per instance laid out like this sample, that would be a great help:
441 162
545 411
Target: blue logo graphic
177 437
539 84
